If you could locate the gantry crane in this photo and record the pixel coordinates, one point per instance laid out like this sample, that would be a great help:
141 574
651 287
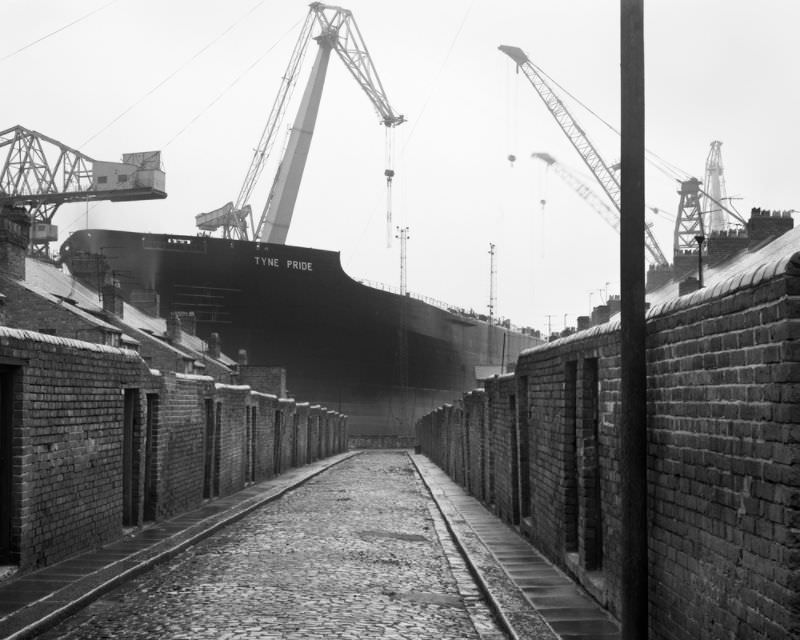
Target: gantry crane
601 171
338 32
41 174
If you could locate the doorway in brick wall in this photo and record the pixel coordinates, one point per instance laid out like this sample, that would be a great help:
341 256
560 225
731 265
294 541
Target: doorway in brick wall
514 455
213 411
130 427
295 439
150 460
8 490
276 447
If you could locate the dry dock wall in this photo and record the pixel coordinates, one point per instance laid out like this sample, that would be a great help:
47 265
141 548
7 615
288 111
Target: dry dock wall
93 441
723 456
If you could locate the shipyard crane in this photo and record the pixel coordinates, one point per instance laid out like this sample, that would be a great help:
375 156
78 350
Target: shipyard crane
701 212
600 170
40 174
609 215
337 31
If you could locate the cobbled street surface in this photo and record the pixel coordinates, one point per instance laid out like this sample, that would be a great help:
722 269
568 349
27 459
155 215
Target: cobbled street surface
353 553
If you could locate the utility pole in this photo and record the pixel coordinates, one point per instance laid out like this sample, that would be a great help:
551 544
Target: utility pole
492 283
633 399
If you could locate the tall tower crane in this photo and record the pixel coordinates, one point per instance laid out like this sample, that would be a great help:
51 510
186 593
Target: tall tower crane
599 168
41 174
337 31
715 184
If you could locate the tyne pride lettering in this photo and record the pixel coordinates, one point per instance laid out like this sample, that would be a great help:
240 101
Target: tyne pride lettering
278 263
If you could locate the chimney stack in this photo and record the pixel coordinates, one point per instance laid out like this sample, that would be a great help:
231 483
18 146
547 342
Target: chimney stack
214 347
767 225
15 225
112 298
174 328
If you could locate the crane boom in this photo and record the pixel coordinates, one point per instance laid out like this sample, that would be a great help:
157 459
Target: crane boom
601 171
338 32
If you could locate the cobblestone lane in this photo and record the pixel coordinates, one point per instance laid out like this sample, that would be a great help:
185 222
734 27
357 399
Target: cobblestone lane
354 553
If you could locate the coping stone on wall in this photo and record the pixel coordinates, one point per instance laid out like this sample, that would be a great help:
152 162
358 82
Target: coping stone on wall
34 336
194 376
230 387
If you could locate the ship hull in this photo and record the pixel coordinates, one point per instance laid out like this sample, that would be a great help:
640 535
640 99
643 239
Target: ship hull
381 358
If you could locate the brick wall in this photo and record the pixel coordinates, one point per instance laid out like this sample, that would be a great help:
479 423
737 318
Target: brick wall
501 394
179 446
724 454
66 447
74 478
26 309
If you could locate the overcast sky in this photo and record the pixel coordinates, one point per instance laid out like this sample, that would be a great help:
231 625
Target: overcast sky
196 79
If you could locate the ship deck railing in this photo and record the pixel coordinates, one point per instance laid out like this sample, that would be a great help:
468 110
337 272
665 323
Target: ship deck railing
459 311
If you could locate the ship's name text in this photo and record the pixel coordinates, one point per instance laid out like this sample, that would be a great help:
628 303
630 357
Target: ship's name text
277 263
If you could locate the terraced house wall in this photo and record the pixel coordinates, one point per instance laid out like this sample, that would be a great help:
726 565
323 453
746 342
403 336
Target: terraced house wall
723 457
63 440
93 442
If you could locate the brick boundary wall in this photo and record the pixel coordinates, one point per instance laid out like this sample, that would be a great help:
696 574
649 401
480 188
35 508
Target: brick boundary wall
66 442
75 479
724 456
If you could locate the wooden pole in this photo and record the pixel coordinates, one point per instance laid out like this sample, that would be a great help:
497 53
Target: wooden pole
633 428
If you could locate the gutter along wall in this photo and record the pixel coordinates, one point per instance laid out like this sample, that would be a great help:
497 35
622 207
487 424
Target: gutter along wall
724 456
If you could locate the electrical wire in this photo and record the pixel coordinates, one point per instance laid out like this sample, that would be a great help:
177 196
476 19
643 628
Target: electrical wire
436 82
169 77
230 86
59 30
667 168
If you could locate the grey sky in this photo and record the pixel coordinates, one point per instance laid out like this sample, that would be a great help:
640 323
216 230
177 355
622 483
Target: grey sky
716 70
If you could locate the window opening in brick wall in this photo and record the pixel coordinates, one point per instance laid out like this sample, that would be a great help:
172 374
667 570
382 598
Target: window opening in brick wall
8 503
276 458
571 506
150 457
513 455
523 439
592 528
130 511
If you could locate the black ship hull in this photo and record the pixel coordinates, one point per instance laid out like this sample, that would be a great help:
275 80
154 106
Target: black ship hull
381 358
